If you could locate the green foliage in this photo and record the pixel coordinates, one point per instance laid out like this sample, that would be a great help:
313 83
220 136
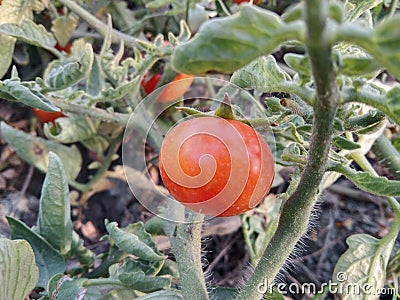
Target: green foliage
18 271
31 33
25 92
54 220
35 150
98 88
363 263
226 44
48 260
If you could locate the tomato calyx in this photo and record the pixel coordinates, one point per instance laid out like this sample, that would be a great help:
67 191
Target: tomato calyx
225 111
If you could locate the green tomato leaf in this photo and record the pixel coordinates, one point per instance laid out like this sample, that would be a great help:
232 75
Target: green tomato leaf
63 27
393 104
31 33
226 44
359 66
95 81
34 150
223 293
72 129
343 143
364 262
165 295
299 63
386 43
139 281
14 11
97 144
66 288
54 220
134 240
27 93
18 271
129 265
48 260
380 186
262 74
84 255
357 8
156 4
117 292
63 74
113 94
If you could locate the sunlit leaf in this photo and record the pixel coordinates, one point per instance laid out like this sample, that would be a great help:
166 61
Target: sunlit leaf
364 262
27 93
34 150
73 128
54 220
18 271
48 260
365 181
135 242
165 295
261 74
63 74
15 11
227 44
139 281
31 33
63 27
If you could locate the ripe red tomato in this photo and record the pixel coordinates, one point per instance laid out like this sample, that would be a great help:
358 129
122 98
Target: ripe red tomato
256 2
149 84
46 116
178 86
216 166
66 48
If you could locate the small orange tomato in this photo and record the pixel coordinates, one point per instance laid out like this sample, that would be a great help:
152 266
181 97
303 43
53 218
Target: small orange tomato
176 88
216 166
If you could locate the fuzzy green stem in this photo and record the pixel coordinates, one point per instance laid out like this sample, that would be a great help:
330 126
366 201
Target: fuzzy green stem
392 8
155 138
296 210
186 246
93 112
387 155
99 26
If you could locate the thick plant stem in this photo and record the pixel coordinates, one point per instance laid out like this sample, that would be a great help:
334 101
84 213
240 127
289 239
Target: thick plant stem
297 209
186 246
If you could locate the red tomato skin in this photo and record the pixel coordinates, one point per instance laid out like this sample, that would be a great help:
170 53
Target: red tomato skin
66 48
176 88
150 84
243 173
46 116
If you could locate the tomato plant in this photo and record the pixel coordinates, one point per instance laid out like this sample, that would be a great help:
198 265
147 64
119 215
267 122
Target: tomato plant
331 93
216 166
47 116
